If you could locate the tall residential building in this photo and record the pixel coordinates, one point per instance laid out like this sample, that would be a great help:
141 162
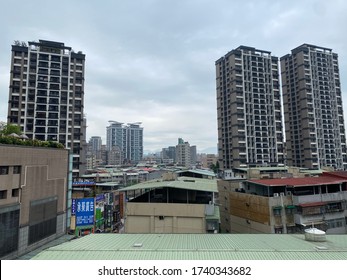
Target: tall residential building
168 155
250 130
314 122
183 156
94 151
95 143
46 96
129 139
193 155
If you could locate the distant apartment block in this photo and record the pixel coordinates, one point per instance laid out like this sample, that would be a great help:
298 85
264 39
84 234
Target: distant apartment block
95 144
168 155
94 154
183 155
128 138
114 156
208 160
33 197
46 95
313 109
249 110
193 155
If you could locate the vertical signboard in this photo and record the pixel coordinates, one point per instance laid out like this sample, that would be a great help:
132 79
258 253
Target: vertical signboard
85 212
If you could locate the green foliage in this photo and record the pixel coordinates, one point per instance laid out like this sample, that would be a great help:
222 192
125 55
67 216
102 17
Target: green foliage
10 140
215 167
11 128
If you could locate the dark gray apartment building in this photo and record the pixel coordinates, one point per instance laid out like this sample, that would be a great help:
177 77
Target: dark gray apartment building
250 130
46 95
314 121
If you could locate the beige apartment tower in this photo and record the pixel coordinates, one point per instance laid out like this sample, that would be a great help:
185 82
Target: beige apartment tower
314 121
46 95
248 109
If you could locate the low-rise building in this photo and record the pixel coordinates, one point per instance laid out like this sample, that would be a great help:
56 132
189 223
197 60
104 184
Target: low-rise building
33 197
289 205
172 205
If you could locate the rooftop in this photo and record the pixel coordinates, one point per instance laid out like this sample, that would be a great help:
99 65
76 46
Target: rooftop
300 182
187 183
197 247
198 171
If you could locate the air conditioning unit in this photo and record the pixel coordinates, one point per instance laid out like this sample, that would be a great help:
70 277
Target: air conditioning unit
282 193
289 193
276 195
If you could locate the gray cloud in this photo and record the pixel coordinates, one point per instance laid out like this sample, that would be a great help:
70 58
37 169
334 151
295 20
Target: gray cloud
152 61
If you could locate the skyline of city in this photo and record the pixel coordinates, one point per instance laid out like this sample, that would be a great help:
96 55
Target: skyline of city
161 72
18 47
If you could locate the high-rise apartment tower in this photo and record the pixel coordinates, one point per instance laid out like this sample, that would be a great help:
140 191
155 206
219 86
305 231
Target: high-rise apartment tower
128 138
46 95
183 153
314 122
250 130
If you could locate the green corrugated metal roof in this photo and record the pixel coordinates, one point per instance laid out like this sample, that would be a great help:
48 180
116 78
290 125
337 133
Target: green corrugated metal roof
198 246
187 183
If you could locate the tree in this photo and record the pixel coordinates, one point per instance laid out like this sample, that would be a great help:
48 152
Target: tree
215 167
11 128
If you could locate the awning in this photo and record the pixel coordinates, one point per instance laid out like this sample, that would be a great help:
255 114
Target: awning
312 204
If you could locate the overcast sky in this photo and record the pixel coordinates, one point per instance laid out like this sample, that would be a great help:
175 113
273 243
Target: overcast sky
153 61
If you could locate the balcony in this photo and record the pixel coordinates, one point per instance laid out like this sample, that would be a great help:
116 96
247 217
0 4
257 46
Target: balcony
338 196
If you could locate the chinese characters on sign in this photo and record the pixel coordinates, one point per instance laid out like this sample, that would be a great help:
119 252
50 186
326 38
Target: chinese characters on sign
85 212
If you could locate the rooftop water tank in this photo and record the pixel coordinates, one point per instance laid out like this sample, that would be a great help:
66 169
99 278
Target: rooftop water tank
314 234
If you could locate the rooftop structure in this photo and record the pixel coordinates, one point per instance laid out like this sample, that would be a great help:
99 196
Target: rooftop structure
198 247
172 205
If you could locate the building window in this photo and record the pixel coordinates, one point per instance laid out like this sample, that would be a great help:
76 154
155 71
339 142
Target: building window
279 230
3 194
290 210
15 192
291 229
3 170
9 232
16 169
277 210
42 220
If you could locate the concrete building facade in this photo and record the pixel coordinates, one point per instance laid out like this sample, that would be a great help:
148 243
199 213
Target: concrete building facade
183 156
33 197
287 205
129 139
313 110
249 110
46 95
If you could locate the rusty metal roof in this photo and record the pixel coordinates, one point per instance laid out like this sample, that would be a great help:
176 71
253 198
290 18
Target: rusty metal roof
300 182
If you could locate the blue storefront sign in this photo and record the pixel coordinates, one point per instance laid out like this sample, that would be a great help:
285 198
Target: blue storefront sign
85 211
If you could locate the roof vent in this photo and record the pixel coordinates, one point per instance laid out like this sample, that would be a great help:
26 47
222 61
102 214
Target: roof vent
314 234
137 245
